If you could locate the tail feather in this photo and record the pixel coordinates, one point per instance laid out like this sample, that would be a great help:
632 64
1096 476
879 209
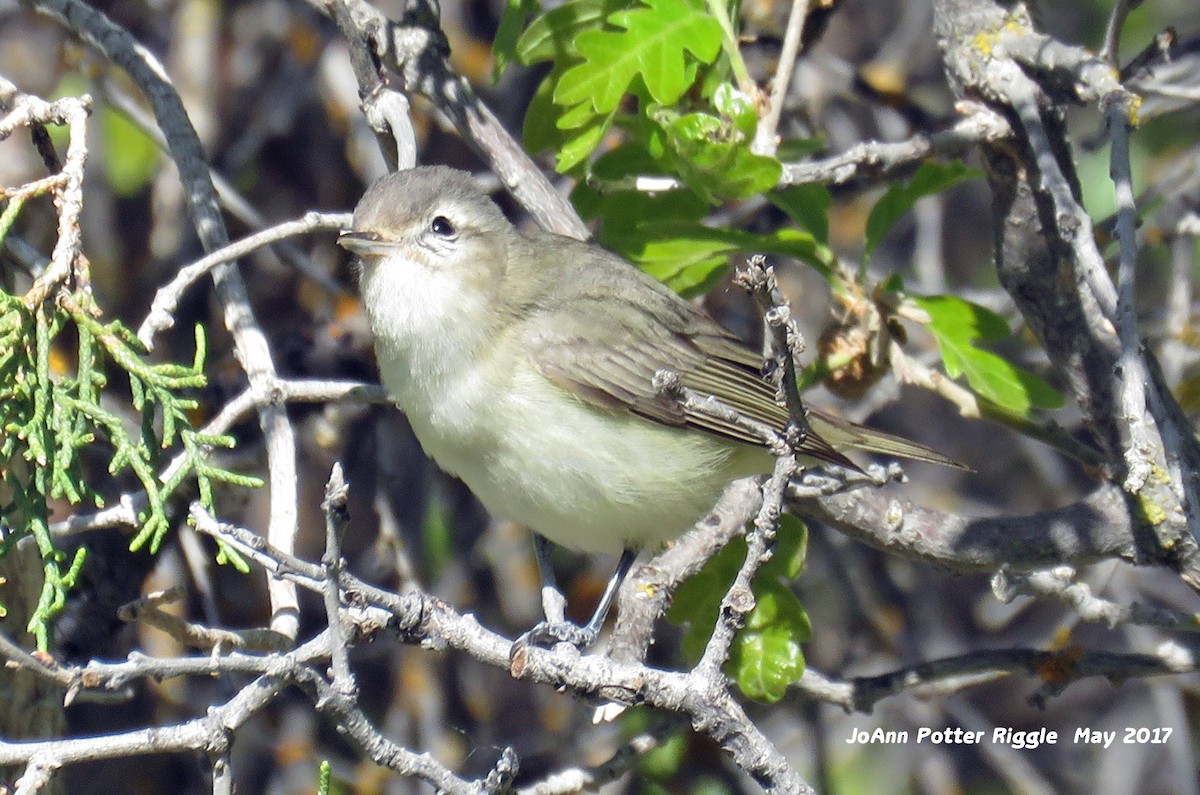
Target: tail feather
843 434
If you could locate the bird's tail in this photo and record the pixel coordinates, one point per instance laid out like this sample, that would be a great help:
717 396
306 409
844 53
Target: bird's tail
843 434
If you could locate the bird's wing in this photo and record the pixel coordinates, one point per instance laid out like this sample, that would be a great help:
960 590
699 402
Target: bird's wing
607 349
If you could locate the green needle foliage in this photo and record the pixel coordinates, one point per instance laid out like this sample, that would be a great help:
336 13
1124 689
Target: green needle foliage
48 417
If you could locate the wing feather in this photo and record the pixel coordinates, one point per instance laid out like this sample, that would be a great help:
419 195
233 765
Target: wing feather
603 333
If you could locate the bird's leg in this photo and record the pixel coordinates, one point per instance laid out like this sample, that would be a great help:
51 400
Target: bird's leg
554 603
610 592
556 629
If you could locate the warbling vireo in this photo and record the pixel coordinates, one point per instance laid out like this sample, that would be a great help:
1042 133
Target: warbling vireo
525 362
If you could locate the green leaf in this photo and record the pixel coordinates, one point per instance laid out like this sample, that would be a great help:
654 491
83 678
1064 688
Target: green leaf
512 19
957 324
551 37
577 116
766 655
713 156
698 601
662 233
543 131
930 178
808 206
631 160
540 131
790 550
685 254
738 108
652 44
581 142
130 155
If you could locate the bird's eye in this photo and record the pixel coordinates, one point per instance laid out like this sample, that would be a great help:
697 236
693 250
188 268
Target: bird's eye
442 227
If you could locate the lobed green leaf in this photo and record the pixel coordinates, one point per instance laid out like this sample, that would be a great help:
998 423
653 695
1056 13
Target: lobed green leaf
512 20
552 36
957 324
930 178
651 45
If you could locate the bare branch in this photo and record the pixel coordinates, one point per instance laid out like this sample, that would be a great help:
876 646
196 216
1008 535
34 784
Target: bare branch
1139 390
764 139
590 779
24 110
422 619
147 610
648 591
1056 669
336 521
162 309
416 49
1111 49
1061 583
231 200
1092 529
1060 312
871 160
250 343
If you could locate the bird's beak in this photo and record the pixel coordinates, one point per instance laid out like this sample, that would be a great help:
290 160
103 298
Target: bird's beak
364 243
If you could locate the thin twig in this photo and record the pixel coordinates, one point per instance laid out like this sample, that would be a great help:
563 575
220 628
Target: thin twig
1060 583
1132 374
30 111
949 675
1138 392
590 779
336 521
738 601
231 199
415 48
162 310
765 137
250 343
1111 49
147 610
650 587
870 160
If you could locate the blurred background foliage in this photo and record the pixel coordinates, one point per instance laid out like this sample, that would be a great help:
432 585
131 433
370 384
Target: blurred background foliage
268 86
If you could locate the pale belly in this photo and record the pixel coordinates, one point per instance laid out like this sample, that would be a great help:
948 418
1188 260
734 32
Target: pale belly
590 479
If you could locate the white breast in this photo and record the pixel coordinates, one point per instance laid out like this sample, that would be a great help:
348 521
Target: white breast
588 478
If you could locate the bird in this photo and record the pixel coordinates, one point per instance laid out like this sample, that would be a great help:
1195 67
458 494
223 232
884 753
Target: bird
526 364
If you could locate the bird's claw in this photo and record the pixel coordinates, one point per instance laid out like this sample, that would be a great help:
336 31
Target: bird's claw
550 633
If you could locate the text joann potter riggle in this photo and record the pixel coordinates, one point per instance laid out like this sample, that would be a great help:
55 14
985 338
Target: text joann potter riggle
1004 735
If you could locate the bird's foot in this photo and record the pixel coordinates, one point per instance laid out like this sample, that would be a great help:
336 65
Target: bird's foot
550 633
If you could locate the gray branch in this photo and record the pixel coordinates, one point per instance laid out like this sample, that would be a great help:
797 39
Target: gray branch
250 344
